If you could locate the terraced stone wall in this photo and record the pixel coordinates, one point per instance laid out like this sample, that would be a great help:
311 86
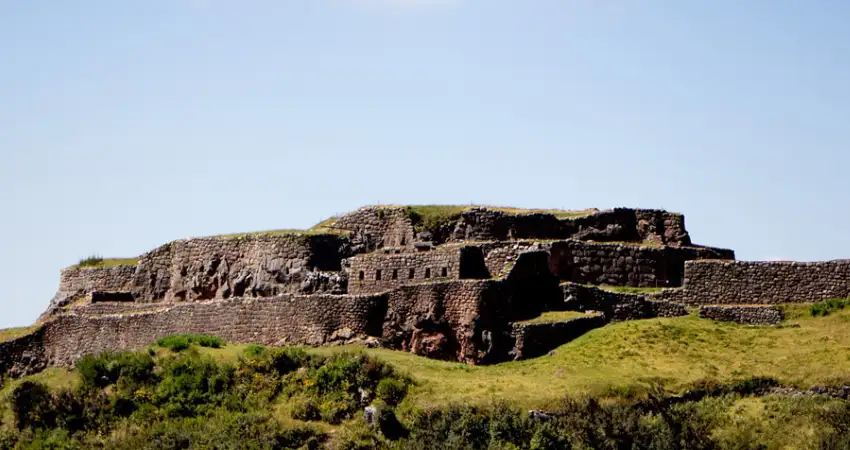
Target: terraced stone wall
743 314
762 282
532 340
377 272
625 264
291 319
374 227
77 282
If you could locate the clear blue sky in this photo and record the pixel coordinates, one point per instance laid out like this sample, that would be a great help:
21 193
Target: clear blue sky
126 124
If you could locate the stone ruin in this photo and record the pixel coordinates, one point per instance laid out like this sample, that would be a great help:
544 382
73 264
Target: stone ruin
474 286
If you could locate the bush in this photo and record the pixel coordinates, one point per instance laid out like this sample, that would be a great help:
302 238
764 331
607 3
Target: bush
132 368
179 342
337 407
304 408
391 391
826 307
255 351
191 386
32 405
91 261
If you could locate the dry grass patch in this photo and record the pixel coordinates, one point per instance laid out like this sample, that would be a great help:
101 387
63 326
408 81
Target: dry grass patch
7 334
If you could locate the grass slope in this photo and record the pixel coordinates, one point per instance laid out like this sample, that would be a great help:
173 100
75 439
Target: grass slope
631 356
628 357
7 334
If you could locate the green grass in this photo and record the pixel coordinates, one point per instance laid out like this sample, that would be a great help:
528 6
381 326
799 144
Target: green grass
7 334
179 342
630 289
630 357
554 316
672 352
103 263
283 232
559 213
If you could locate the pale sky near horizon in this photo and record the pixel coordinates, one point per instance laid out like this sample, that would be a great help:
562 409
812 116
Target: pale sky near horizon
127 124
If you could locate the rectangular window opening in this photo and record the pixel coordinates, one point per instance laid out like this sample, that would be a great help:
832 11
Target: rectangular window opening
395 274
362 275
378 275
427 272
411 274
444 272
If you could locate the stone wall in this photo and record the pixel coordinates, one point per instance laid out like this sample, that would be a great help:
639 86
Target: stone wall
763 282
536 339
373 227
625 264
619 224
743 314
457 320
379 271
284 319
217 268
23 356
616 306
78 282
379 226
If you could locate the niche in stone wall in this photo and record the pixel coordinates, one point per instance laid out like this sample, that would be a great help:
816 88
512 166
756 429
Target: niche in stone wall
427 272
412 274
98 297
444 272
378 275
395 274
472 265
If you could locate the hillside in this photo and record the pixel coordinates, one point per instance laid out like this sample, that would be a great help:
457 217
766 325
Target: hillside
626 364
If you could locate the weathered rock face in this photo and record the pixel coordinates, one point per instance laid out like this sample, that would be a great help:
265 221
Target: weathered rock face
379 226
743 314
217 268
763 282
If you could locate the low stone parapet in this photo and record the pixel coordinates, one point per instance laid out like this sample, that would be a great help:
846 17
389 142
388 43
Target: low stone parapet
743 314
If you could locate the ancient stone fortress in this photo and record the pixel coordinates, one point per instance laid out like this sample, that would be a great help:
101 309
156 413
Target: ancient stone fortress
472 284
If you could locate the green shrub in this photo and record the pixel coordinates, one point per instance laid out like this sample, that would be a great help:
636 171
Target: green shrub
32 405
337 407
179 342
132 368
391 391
304 408
826 307
191 386
255 351
90 261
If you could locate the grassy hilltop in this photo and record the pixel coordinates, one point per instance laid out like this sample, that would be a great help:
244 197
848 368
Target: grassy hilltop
611 388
